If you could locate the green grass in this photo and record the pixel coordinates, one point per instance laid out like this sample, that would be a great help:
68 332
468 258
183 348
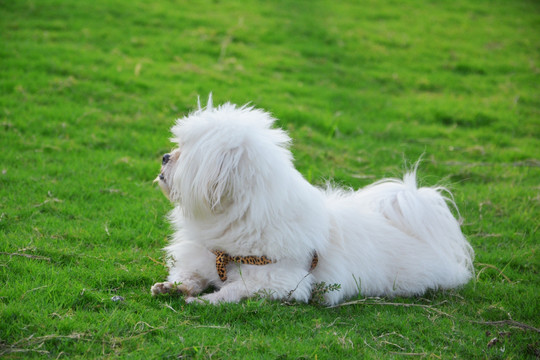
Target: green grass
89 90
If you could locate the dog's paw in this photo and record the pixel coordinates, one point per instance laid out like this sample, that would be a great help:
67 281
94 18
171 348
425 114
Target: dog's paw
199 300
169 288
208 299
161 288
215 298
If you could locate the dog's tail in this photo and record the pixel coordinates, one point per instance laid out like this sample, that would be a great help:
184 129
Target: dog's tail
426 214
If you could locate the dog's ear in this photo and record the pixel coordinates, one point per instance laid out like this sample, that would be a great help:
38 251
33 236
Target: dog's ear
209 178
224 184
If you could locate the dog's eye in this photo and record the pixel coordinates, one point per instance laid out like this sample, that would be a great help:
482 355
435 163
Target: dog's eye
165 159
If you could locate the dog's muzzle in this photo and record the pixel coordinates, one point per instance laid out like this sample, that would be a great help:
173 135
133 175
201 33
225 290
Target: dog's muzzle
164 162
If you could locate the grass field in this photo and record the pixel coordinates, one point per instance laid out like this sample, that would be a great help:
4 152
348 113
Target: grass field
90 89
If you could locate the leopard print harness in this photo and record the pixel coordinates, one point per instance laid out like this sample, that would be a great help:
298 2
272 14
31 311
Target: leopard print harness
223 259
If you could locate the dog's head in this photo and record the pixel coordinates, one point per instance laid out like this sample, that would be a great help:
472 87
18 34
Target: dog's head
225 155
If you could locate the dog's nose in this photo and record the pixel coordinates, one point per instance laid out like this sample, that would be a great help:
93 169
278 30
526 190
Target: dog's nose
166 158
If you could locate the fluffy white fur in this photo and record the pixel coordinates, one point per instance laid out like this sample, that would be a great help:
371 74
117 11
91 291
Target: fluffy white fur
235 189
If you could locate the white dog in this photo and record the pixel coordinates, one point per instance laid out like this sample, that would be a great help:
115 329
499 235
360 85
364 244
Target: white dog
246 221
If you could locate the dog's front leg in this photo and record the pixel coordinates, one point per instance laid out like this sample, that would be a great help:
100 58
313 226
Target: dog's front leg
191 269
273 281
